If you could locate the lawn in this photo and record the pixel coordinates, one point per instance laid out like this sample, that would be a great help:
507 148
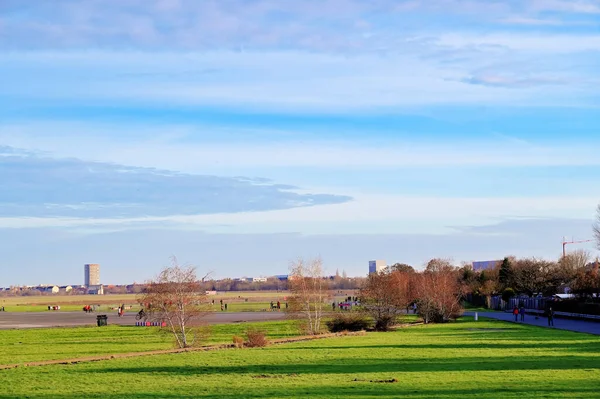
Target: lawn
19 346
111 307
485 359
238 301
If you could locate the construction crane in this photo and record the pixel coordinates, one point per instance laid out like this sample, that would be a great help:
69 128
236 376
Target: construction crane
565 242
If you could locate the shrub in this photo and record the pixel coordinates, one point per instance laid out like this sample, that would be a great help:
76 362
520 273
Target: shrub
507 294
430 312
238 341
256 338
384 323
348 322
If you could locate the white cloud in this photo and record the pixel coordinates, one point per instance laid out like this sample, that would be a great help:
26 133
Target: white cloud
535 43
520 20
368 214
418 72
152 146
569 6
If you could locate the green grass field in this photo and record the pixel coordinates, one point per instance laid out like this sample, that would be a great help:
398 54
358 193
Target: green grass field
231 307
20 346
239 301
485 359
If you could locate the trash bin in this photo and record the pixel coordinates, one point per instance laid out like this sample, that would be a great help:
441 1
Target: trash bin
102 320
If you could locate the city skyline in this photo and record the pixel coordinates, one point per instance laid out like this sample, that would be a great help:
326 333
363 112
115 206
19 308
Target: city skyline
239 136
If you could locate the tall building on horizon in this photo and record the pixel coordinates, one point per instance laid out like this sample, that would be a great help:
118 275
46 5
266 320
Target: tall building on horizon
376 266
91 274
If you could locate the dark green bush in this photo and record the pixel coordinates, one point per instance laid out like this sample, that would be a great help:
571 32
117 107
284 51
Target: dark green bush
507 294
348 322
384 323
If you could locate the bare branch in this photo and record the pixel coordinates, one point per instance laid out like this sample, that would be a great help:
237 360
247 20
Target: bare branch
310 291
207 275
176 298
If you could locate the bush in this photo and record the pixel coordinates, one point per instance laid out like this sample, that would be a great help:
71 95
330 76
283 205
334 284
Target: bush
348 322
507 294
384 323
430 313
238 341
256 338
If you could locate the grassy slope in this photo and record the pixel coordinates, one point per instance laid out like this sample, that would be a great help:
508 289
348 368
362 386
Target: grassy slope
439 361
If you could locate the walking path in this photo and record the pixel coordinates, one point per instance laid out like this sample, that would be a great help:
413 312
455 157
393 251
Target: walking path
583 326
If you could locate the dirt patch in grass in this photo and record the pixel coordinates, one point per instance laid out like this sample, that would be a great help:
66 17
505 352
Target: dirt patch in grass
262 376
173 351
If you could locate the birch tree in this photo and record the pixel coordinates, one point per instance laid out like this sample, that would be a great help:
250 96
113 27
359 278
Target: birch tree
309 292
176 297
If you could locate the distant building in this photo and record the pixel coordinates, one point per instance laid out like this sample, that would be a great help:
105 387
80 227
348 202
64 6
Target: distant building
51 289
91 274
259 279
486 264
95 289
376 266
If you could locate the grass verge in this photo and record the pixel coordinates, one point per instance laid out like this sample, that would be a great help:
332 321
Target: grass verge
485 359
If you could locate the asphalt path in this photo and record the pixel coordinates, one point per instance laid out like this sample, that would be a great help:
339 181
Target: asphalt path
10 320
590 327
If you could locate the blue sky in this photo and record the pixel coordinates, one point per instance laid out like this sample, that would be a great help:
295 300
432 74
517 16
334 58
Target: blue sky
239 135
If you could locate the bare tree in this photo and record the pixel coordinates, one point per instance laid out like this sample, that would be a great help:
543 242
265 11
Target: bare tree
176 297
438 291
572 263
587 281
535 276
487 289
385 296
310 291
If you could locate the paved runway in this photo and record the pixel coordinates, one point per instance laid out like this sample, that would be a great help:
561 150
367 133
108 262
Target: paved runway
10 320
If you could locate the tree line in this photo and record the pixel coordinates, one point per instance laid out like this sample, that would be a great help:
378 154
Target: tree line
434 293
574 273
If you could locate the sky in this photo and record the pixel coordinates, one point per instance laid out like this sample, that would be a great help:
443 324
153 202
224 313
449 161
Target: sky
239 135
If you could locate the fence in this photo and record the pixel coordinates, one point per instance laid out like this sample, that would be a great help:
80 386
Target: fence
528 303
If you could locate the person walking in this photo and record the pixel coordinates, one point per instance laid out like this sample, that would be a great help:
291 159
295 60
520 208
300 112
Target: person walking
550 317
522 312
516 313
